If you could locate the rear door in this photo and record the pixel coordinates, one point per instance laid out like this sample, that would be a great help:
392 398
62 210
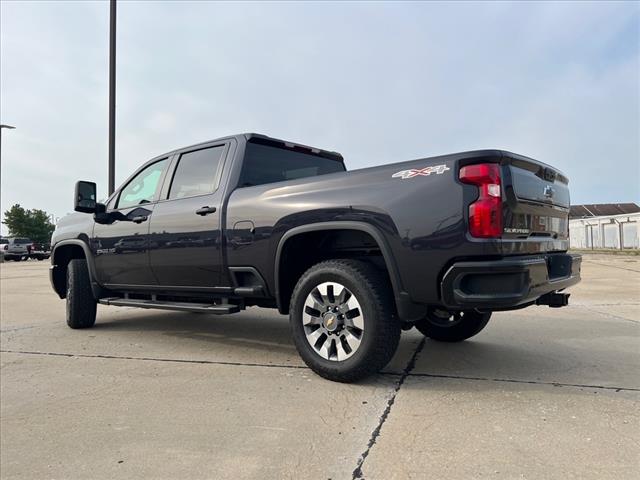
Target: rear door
185 230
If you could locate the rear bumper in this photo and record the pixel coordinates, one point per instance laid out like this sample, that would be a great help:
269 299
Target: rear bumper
12 255
508 283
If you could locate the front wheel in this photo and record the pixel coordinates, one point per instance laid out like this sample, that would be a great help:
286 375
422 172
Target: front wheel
343 320
446 326
81 306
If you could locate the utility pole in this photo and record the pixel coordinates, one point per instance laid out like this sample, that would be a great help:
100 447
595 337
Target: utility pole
8 127
112 96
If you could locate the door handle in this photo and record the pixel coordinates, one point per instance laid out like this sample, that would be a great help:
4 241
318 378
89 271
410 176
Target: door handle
205 210
139 219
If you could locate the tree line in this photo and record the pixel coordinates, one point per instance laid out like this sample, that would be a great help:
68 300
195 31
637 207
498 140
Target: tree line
34 223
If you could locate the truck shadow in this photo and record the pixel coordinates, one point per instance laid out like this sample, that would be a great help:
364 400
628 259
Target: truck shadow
262 336
255 329
492 365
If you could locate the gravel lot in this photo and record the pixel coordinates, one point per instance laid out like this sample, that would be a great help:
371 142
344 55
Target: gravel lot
541 393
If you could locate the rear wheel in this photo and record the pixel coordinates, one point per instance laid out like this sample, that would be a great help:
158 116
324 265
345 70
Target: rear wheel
343 320
446 326
81 306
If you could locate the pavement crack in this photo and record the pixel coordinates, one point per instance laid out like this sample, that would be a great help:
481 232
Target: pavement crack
607 314
611 266
15 329
151 359
617 304
357 472
529 382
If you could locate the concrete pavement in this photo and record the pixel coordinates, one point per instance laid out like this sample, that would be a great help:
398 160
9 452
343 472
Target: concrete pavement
541 393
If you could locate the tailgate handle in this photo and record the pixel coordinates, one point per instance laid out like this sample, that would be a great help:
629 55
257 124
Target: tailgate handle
205 210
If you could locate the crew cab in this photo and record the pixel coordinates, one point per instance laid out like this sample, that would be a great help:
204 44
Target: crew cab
353 257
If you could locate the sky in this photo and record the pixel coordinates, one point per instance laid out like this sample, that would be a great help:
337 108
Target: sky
379 82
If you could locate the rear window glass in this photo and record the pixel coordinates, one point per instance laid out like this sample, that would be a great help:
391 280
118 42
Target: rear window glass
21 241
270 164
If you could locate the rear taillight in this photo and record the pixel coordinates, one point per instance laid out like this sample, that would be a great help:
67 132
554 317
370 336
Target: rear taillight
485 214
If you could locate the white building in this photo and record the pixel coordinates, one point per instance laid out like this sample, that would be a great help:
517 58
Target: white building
596 231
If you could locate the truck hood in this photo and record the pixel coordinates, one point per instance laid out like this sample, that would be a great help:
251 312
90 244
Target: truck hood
73 225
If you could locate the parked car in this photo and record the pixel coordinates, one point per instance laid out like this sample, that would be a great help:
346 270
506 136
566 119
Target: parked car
352 257
4 243
17 248
39 250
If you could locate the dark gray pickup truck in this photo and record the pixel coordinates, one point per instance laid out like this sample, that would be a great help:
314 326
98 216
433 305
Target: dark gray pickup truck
353 257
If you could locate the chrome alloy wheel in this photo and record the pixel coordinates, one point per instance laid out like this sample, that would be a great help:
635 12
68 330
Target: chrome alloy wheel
333 321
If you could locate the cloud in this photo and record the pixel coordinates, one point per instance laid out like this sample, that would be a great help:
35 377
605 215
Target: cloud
161 122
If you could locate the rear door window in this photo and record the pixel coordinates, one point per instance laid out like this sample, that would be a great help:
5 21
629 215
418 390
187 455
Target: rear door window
196 173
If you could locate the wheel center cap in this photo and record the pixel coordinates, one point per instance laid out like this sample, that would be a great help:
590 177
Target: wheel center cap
330 322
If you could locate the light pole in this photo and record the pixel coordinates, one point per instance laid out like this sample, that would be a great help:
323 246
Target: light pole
9 127
112 96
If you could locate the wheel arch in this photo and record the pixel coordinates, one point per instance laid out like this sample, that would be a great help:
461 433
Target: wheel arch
62 253
406 309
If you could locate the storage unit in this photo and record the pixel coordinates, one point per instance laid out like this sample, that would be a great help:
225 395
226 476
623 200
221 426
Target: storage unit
612 231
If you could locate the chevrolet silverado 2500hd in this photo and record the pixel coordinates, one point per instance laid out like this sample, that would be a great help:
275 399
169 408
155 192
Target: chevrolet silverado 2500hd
353 257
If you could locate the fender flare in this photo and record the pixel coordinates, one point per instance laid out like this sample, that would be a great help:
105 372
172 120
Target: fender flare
407 310
95 286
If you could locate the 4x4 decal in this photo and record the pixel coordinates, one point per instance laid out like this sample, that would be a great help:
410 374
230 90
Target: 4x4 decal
422 172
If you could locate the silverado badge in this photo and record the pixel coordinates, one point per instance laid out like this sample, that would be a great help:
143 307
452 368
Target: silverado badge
423 172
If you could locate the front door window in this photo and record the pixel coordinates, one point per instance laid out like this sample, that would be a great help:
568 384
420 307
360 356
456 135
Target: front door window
143 187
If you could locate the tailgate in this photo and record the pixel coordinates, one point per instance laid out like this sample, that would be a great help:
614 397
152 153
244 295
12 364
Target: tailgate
537 202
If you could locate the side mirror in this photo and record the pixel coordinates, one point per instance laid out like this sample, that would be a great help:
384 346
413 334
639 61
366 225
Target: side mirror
85 199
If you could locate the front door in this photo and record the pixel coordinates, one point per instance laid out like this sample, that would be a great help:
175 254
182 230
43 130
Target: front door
121 240
185 229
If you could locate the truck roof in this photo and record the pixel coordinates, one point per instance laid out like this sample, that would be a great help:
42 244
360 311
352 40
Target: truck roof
245 137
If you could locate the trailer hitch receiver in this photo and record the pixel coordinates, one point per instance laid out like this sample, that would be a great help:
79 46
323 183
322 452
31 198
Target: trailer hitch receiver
554 299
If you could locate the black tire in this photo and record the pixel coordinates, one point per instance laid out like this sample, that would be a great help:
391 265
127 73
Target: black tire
81 306
458 327
381 334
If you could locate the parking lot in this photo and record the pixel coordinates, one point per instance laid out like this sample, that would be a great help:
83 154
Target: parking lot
540 393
